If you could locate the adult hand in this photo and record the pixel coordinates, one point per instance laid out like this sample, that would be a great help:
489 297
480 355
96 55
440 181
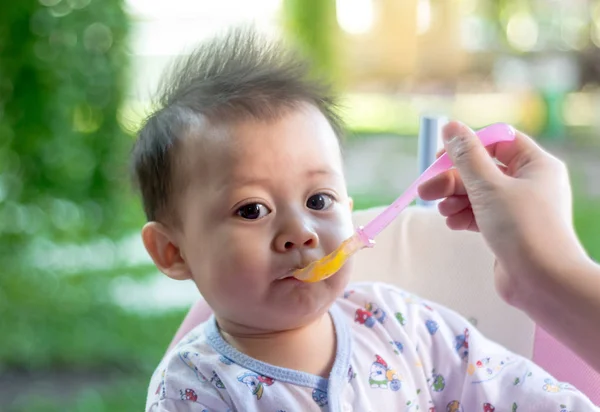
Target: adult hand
523 209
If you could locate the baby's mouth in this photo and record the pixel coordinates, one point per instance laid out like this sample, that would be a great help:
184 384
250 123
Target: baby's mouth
302 263
288 274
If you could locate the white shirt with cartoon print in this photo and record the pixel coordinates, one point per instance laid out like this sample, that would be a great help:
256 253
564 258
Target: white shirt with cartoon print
395 352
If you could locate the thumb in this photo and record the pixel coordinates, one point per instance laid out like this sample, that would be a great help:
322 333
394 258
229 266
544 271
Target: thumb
469 156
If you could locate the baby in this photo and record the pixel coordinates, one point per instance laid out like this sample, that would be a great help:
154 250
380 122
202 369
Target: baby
242 182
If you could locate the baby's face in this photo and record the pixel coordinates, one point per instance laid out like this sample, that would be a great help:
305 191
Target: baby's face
266 198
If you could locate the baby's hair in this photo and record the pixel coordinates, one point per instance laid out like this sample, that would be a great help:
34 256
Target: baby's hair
237 76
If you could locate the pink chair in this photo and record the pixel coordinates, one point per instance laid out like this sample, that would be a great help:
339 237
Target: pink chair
420 254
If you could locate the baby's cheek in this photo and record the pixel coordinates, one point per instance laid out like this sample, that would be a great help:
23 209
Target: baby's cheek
244 262
338 229
235 282
249 253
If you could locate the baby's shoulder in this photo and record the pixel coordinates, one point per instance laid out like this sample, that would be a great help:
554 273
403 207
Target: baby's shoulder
368 302
188 371
193 357
381 294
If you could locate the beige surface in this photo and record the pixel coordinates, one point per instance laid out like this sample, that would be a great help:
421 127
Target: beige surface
420 254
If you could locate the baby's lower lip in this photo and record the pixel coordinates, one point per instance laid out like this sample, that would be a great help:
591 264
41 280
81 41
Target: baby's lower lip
287 275
289 279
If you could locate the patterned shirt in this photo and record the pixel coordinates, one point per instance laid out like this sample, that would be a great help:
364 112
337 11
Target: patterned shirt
395 352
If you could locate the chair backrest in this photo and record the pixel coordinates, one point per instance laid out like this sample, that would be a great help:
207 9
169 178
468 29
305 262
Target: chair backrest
419 253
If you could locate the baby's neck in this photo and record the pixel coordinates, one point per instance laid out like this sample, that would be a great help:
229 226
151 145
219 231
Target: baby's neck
309 349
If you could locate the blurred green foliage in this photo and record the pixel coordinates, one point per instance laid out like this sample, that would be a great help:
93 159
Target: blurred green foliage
61 148
63 180
62 80
313 24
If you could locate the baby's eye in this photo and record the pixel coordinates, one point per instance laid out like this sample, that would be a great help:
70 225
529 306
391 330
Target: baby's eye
319 201
253 211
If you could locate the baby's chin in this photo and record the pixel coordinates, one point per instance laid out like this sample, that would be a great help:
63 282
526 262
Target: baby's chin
285 304
294 304
301 299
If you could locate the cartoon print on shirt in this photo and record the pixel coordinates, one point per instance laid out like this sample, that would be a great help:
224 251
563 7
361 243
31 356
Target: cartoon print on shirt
376 311
255 382
429 408
348 293
437 381
381 375
161 386
186 358
188 395
489 368
400 318
398 347
462 344
432 326
479 366
364 317
320 397
553 386
454 406
411 404
483 363
521 380
351 373
488 407
215 380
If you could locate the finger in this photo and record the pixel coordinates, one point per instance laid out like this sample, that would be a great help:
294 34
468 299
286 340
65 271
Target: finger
491 149
443 185
518 152
453 205
469 155
464 220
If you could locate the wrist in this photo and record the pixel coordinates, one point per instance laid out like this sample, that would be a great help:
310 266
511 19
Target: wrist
554 286
541 267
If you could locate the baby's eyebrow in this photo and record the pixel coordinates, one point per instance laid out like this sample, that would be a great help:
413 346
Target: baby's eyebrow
316 172
235 182
241 181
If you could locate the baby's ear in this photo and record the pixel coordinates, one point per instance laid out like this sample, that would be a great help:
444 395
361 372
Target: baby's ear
351 203
162 248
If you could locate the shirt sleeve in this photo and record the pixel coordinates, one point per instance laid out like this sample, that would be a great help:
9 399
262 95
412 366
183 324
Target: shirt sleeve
465 371
186 389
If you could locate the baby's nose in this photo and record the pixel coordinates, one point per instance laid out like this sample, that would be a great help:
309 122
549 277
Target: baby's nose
299 238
